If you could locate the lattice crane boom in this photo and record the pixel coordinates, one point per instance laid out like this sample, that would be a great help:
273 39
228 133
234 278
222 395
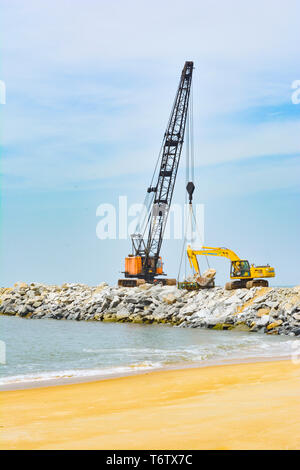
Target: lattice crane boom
145 261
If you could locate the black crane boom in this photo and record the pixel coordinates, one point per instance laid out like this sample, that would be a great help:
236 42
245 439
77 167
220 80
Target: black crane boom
172 147
148 250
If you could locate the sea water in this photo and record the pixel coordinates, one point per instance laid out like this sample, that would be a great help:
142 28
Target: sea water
48 349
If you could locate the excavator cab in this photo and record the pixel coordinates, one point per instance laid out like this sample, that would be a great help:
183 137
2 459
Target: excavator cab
240 269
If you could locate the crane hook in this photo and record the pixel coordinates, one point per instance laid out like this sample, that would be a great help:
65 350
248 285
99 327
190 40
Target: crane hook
190 189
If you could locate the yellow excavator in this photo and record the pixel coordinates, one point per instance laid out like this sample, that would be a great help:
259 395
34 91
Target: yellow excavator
242 273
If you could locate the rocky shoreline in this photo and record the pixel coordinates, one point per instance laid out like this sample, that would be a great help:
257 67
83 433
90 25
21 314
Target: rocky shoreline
267 310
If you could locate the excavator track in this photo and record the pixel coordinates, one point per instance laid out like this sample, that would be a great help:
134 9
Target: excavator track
257 283
242 284
239 284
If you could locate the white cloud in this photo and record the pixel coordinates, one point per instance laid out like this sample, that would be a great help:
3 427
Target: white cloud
73 31
96 73
271 138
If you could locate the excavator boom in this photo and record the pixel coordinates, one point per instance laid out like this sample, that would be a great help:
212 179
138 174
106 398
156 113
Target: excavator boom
210 251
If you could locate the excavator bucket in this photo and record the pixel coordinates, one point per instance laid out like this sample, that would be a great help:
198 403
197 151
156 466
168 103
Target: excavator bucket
196 282
207 278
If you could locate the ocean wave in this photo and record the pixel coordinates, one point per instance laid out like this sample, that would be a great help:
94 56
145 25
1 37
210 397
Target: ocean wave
248 345
72 373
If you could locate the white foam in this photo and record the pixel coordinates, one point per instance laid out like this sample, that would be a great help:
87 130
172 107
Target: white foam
69 374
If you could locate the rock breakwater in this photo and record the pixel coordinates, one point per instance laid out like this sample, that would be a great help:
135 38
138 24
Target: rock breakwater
268 310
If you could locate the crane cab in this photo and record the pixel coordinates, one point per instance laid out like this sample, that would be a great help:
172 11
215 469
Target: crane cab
134 266
135 272
159 266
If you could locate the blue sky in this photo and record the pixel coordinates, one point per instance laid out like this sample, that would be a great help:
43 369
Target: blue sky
89 89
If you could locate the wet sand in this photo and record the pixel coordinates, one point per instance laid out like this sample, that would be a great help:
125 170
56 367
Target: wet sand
236 406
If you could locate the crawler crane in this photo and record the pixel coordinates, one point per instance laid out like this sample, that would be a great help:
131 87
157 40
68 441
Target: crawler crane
144 264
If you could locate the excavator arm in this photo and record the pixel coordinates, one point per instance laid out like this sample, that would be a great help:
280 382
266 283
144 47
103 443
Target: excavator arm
209 251
193 259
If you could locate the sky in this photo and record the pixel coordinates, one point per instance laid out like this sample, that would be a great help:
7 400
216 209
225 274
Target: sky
89 89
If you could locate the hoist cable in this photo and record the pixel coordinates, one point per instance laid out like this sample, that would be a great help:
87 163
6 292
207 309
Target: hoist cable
200 238
141 227
192 133
182 251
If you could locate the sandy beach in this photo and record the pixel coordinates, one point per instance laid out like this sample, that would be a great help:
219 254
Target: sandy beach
240 406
